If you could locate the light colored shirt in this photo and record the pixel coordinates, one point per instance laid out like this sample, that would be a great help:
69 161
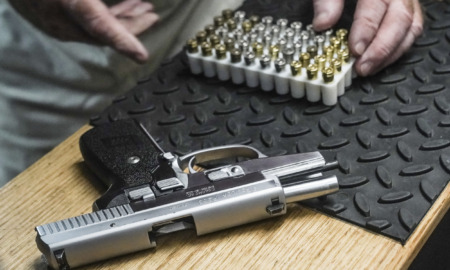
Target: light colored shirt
49 88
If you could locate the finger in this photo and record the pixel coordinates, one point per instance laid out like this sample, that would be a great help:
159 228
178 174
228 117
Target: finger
138 24
414 31
409 39
123 6
392 32
366 21
137 10
96 19
327 13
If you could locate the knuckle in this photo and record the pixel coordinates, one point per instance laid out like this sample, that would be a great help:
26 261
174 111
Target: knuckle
407 11
417 29
417 24
100 31
369 24
94 24
381 52
406 16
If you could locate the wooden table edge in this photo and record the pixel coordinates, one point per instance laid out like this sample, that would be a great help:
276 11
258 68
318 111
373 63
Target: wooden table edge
402 261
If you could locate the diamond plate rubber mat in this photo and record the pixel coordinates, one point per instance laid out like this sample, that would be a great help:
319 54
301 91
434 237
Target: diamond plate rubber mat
390 133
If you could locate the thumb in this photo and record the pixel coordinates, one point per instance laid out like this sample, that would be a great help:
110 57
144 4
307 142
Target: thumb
327 13
95 17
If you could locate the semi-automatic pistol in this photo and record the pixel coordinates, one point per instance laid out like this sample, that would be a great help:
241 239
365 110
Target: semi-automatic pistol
152 193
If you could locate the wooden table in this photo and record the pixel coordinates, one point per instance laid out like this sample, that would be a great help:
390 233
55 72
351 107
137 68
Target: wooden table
58 187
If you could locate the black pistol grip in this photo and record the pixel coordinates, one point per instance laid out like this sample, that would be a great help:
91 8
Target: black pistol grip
123 156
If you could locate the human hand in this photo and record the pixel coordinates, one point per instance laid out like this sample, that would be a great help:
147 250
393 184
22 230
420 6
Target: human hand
382 30
91 21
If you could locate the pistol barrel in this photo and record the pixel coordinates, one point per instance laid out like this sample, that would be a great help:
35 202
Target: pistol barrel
308 189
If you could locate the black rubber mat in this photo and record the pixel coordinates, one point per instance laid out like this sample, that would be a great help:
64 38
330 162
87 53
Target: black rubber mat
390 132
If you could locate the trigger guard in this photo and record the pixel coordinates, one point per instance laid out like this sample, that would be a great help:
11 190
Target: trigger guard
219 152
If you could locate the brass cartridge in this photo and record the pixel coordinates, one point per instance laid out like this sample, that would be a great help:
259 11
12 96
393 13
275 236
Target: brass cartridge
214 40
296 68
254 19
221 51
210 29
337 65
201 37
258 49
206 49
227 14
329 52
231 24
229 44
274 51
247 26
312 71
328 75
342 34
192 46
305 58
218 21
345 55
320 61
336 43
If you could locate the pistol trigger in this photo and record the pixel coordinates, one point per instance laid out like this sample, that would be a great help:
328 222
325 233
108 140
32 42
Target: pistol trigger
191 165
